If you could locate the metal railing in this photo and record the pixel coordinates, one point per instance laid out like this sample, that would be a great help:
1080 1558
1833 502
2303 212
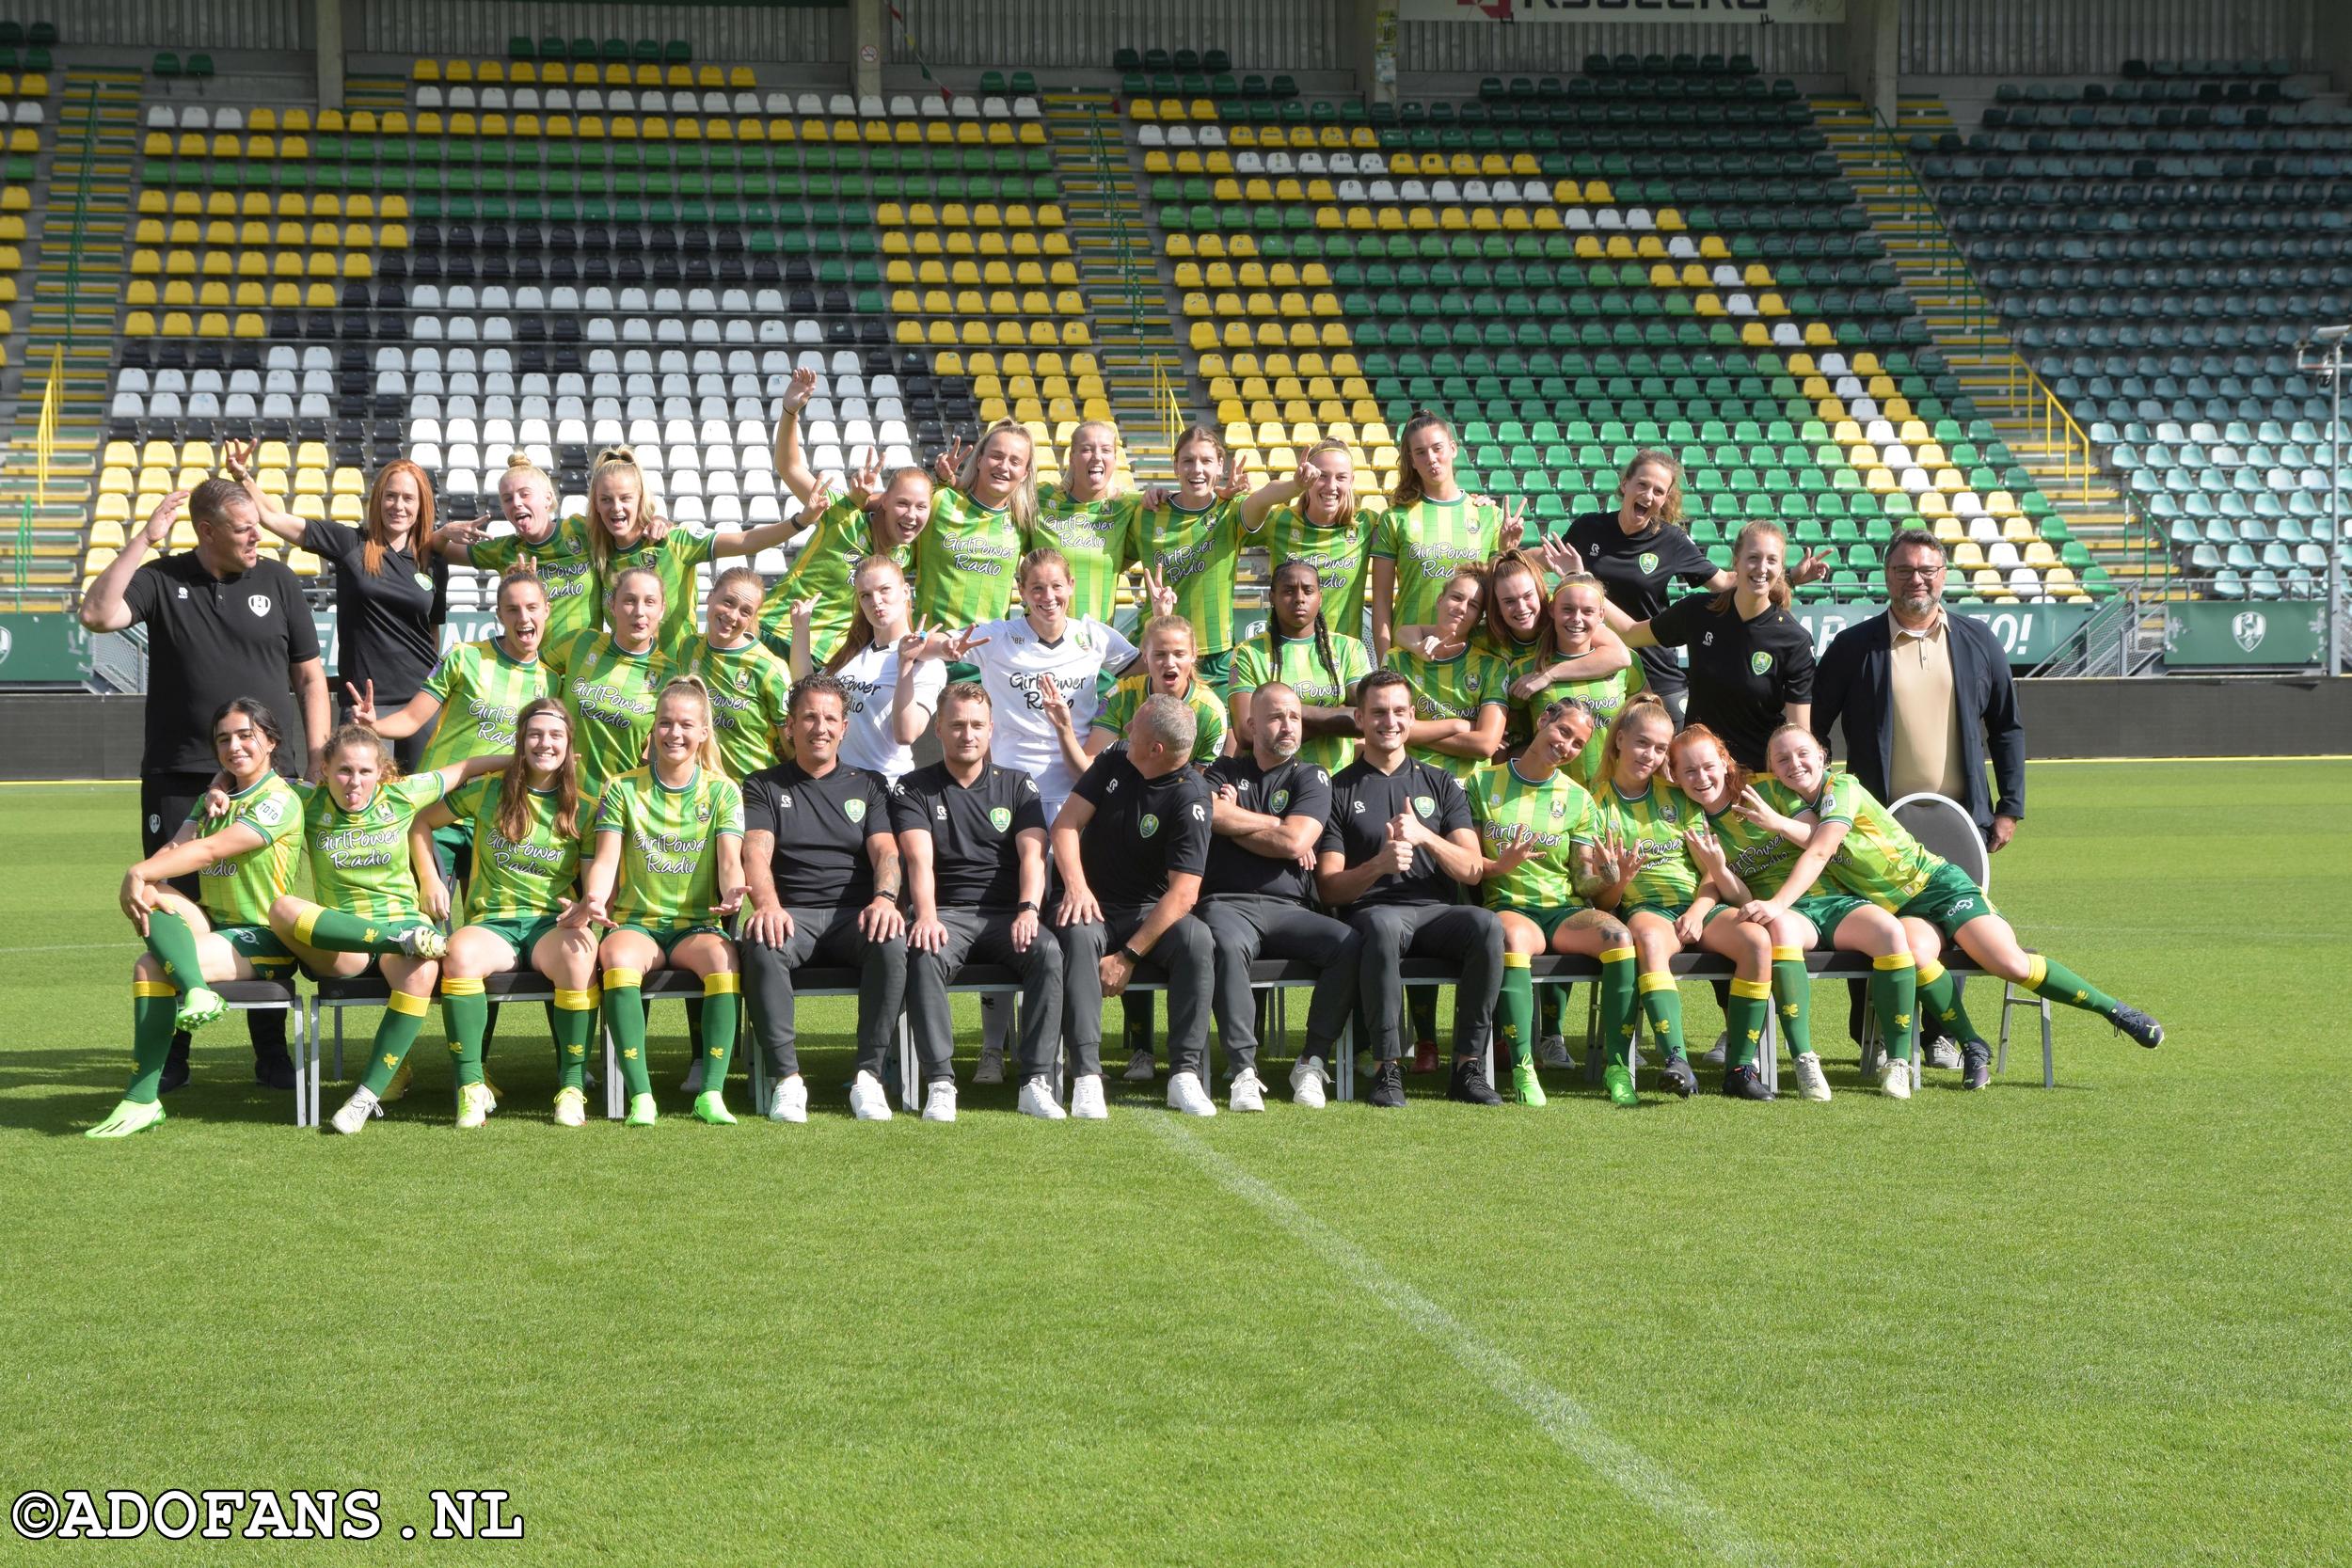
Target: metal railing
1123 246
1166 402
2112 641
1947 266
2028 389
81 211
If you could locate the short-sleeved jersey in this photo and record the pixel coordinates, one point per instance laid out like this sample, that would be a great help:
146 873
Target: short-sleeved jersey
965 561
1340 557
1879 860
1757 855
668 872
360 861
1600 698
840 538
1743 672
1364 800
872 679
1653 822
1297 663
387 621
611 694
673 559
1635 570
750 692
239 892
1517 659
1142 833
1290 788
481 689
521 878
821 826
1208 714
208 640
1452 687
574 601
1196 553
973 828
1554 812
1015 663
1097 538
1430 541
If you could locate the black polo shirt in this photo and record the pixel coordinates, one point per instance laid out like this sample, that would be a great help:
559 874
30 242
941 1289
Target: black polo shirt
974 863
821 827
1635 569
210 638
1364 799
1741 672
1288 789
388 624
1143 831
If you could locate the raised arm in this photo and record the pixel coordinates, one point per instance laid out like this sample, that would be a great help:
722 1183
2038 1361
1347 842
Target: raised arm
1632 633
238 459
400 725
791 463
103 606
1273 493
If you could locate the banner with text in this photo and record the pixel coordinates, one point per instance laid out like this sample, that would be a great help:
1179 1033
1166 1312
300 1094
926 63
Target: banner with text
1510 13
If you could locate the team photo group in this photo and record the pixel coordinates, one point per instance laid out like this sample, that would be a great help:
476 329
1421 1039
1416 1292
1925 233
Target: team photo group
1453 742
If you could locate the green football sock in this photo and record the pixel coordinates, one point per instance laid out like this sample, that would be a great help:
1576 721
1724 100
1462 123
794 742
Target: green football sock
1661 1007
333 931
465 1013
1792 999
1894 997
1515 1009
1618 1008
174 941
1744 1013
722 1004
2053 980
404 1015
574 1016
1940 994
1554 1005
153 1002
625 1014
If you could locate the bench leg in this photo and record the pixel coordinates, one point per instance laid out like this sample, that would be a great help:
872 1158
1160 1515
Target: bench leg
756 1062
1768 1055
910 1076
613 1106
338 1045
1343 1067
1591 1033
305 1064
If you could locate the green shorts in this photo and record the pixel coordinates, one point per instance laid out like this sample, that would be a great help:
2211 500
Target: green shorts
521 933
1213 668
668 937
1546 920
962 670
1827 910
1948 901
1668 912
257 945
453 851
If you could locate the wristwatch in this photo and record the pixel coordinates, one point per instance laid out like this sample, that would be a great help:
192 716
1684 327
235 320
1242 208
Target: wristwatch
1027 906
1130 955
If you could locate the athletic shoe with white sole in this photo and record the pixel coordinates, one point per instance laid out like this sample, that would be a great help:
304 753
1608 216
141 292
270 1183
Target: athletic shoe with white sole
130 1116
1037 1100
711 1106
1811 1083
1743 1082
1139 1067
473 1105
1186 1094
2144 1030
1893 1079
199 1006
1246 1094
1306 1081
1388 1086
693 1084
789 1101
354 1112
642 1111
1086 1098
939 1100
571 1108
992 1068
402 1080
1679 1077
1975 1065
869 1099
1552 1051
423 941
1718 1053
1943 1054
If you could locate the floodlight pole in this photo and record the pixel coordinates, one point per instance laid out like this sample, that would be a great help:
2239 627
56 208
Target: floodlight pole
2322 355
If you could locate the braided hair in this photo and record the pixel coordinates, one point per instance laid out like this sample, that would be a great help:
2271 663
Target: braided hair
1322 630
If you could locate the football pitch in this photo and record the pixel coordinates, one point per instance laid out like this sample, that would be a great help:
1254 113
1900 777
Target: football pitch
2106 1324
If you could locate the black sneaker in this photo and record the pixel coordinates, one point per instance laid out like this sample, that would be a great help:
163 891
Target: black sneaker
274 1071
1679 1077
1975 1065
2142 1028
1742 1083
1388 1086
1469 1084
175 1066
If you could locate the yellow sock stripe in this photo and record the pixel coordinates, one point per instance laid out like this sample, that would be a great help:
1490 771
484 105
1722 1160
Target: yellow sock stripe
576 1001
453 986
624 979
306 922
727 985
1931 970
1518 960
1616 955
1752 989
153 988
401 1001
1892 961
2037 971
1787 955
1654 982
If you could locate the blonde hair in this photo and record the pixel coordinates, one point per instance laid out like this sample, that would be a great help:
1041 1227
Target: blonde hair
613 463
1345 518
1020 505
1642 704
520 462
706 755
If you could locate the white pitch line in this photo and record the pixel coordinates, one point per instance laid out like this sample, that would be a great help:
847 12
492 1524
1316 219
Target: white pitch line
1567 1423
72 947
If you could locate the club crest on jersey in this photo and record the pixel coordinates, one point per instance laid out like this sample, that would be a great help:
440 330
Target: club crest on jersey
1282 798
1426 805
1648 562
1000 818
1760 662
258 603
423 581
1150 825
702 812
853 810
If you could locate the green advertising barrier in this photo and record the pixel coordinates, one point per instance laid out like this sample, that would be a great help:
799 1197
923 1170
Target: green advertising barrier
2204 634
50 648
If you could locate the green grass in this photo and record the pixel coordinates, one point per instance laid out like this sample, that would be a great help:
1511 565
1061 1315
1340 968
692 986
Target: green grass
2103 1325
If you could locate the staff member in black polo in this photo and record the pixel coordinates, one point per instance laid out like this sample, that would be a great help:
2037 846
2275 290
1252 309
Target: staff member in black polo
821 866
1400 844
1270 814
221 623
971 838
391 591
1131 844
1751 659
1641 548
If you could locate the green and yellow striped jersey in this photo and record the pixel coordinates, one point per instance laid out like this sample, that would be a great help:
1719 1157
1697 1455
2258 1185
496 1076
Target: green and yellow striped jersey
1208 737
359 860
521 879
669 872
1430 541
965 561
1340 557
1455 688
1555 813
1097 538
841 537
611 695
672 559
751 689
1878 861
1654 822
574 601
1196 553
239 892
1298 665
1758 856
482 688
